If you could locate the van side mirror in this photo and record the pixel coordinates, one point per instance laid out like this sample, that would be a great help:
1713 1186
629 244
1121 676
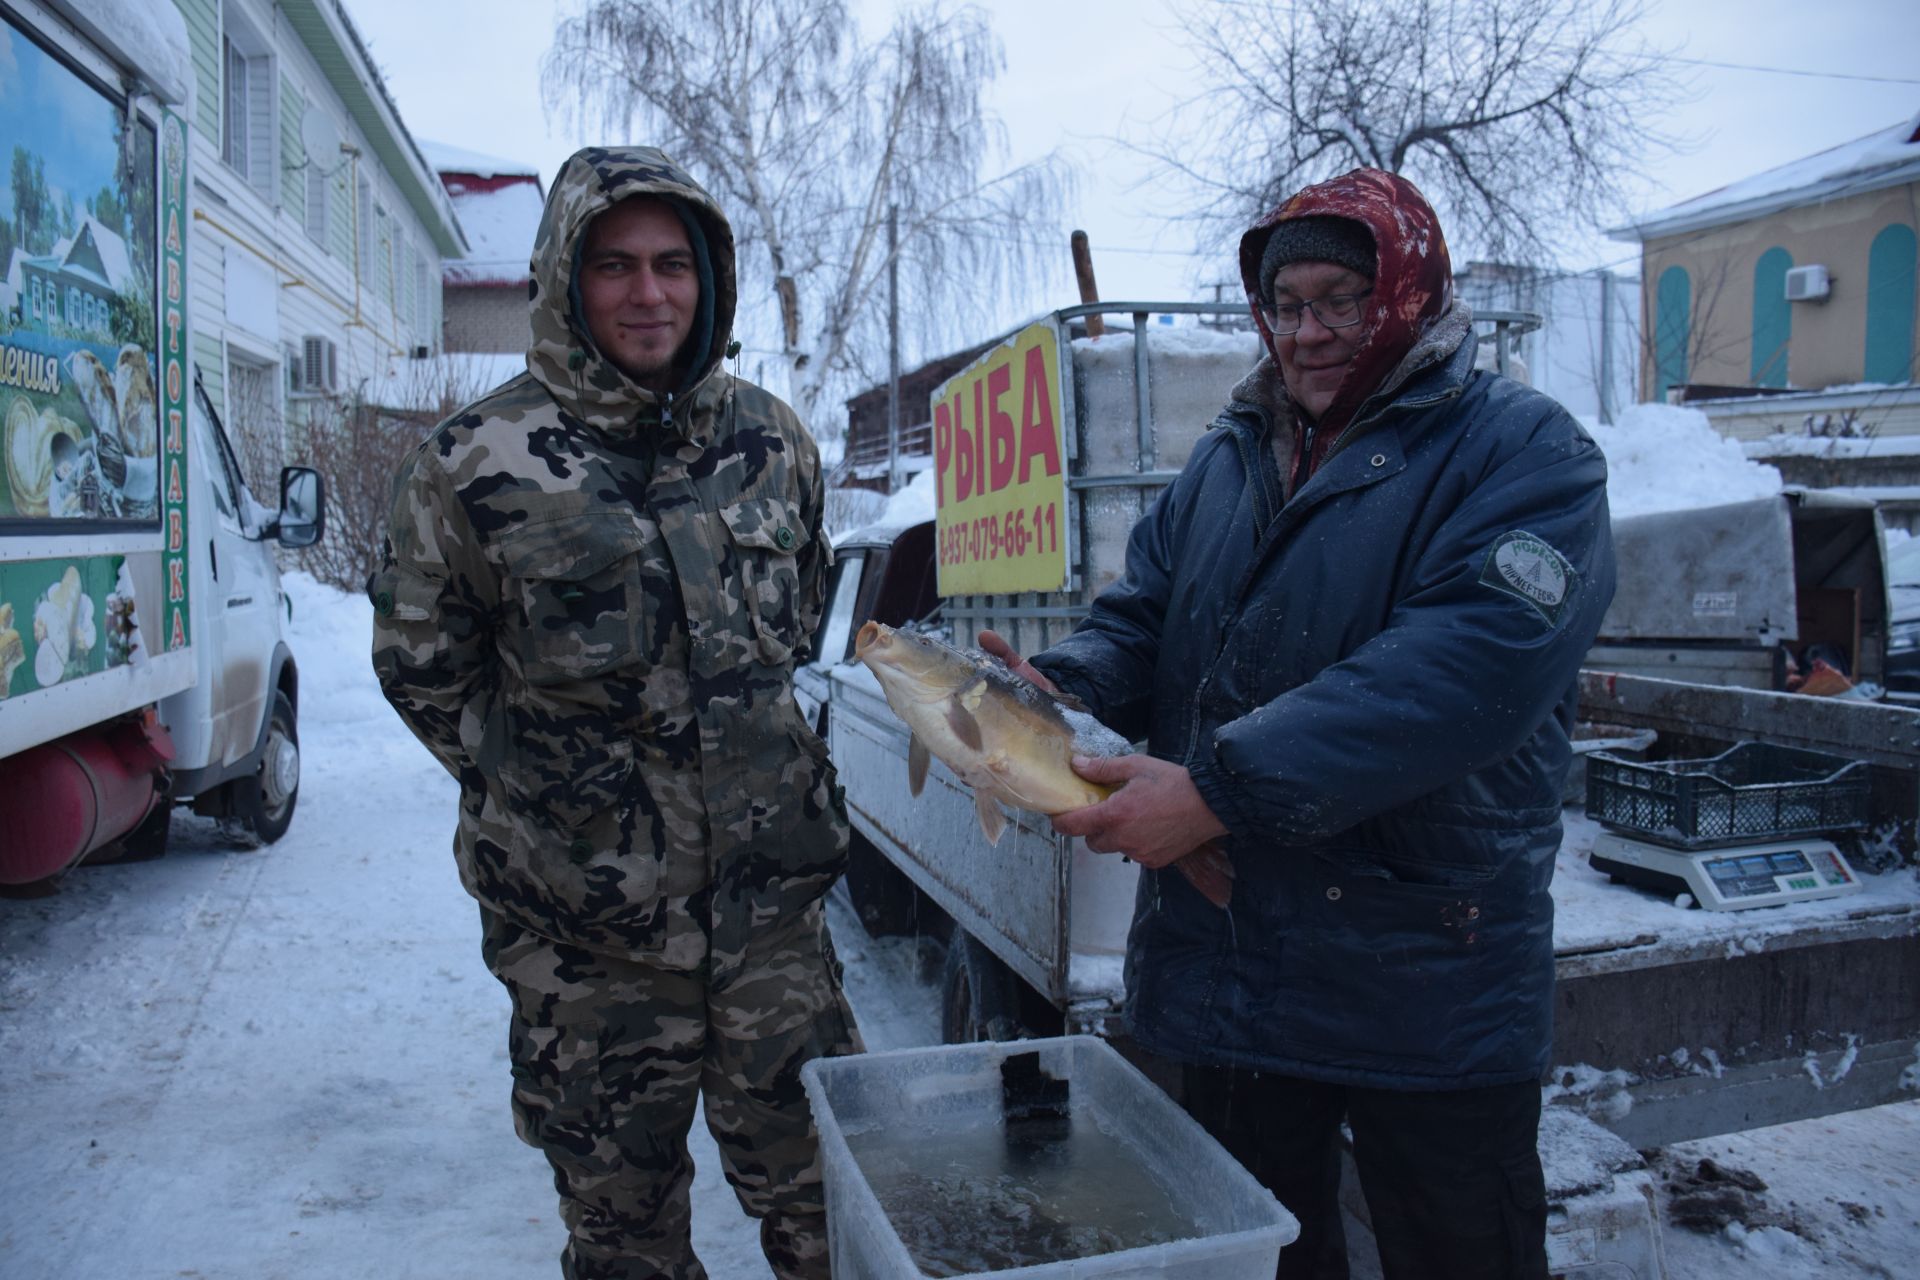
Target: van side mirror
303 497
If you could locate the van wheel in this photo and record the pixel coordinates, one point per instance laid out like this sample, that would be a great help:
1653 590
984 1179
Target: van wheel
264 803
982 999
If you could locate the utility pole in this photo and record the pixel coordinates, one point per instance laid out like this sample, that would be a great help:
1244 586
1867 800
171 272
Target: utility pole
893 348
1606 346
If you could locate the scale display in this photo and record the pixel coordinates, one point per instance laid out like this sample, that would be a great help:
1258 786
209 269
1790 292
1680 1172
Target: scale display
1763 875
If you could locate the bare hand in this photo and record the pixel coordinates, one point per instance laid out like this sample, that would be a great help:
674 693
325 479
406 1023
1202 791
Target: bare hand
1155 818
992 642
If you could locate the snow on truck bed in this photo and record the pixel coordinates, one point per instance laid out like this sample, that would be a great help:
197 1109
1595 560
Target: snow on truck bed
1592 915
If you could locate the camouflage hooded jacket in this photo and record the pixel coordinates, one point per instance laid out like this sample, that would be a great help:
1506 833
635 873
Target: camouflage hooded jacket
590 609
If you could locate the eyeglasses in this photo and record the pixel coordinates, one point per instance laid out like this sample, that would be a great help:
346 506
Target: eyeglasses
1335 311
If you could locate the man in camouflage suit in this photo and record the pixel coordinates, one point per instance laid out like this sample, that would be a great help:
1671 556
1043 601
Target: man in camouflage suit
598 580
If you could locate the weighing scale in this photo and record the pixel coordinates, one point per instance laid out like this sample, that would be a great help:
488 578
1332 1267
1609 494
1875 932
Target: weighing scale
1731 879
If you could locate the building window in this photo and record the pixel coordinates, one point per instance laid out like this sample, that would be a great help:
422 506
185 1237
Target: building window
363 234
383 256
233 122
422 301
1890 298
316 194
1772 319
256 418
1672 315
247 130
317 202
402 281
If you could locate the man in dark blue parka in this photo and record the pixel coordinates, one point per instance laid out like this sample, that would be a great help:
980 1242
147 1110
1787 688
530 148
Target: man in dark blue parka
1349 633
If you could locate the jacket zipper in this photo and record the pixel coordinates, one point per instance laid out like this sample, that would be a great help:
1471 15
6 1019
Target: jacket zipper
1256 478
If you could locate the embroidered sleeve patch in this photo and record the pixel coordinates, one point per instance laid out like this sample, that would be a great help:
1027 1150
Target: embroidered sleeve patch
1522 565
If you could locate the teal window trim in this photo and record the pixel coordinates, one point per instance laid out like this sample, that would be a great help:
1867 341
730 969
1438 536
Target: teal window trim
1772 319
1890 305
1672 316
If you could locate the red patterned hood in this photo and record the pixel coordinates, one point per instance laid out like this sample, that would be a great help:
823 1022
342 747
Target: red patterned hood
1412 284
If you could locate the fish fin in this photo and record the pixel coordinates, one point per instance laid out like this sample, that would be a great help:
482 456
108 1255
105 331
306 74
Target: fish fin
964 726
1208 870
992 821
1068 701
917 762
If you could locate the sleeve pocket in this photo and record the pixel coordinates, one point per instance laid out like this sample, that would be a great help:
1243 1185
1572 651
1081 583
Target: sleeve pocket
401 594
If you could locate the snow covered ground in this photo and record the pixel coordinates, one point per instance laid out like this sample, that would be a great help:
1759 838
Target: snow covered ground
290 1063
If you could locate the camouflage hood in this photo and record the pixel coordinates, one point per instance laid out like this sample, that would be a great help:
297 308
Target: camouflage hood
563 356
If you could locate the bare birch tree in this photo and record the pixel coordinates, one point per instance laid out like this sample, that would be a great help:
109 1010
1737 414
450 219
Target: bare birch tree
811 140
1516 118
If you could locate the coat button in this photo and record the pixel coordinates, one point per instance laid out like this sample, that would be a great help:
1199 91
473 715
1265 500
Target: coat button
784 538
1333 893
383 604
1379 459
579 851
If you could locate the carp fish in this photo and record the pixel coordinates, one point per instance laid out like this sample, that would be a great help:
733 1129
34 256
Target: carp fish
139 414
1008 740
93 383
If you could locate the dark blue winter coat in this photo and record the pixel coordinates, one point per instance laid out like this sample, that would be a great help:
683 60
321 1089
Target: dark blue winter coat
1372 685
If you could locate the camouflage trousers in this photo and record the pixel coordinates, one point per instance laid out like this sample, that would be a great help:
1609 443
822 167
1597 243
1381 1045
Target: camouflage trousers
609 1055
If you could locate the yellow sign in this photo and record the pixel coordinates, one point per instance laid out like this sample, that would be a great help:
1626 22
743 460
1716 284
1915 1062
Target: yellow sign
999 470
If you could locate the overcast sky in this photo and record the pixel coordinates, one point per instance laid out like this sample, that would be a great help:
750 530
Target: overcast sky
466 72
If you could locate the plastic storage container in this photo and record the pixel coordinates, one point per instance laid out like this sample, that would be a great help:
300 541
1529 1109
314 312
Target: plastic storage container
1037 1159
1618 741
1753 791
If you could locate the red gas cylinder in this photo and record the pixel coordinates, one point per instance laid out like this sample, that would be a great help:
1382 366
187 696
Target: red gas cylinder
64 799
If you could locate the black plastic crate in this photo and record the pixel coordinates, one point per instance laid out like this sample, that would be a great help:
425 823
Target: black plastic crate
1750 792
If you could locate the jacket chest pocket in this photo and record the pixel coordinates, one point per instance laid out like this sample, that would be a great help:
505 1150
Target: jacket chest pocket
768 537
577 582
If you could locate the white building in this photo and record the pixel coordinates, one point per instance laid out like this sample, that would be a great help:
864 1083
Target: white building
499 203
314 263
1586 352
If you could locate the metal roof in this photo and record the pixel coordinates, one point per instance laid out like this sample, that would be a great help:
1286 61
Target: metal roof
1888 157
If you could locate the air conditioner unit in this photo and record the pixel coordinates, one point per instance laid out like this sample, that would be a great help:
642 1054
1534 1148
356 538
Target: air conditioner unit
1808 284
319 371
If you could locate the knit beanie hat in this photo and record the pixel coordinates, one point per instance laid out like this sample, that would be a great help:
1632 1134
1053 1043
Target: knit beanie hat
1317 238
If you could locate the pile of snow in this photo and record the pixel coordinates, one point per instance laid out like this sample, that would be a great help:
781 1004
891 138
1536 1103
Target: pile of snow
1668 458
152 38
912 504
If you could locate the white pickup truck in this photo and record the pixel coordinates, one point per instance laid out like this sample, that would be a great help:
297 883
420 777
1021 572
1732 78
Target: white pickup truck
1808 1008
